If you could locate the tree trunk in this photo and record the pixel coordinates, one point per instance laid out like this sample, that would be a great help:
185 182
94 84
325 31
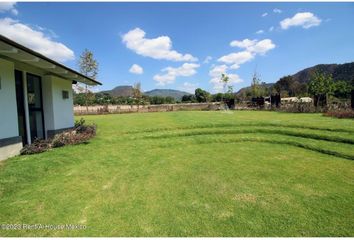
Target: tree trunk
86 98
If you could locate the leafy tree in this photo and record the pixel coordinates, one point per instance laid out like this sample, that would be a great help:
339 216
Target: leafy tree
169 100
189 98
342 89
161 100
217 97
88 66
225 81
228 89
321 85
137 95
287 86
103 99
202 95
79 98
255 85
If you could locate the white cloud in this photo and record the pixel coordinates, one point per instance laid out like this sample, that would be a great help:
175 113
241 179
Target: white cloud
237 58
302 19
157 48
35 40
215 74
186 70
265 14
189 87
260 31
261 47
207 59
243 44
271 29
136 69
8 6
277 10
235 66
217 70
252 48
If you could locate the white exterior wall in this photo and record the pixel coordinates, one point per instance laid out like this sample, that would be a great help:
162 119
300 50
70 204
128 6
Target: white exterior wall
8 105
63 108
58 112
48 103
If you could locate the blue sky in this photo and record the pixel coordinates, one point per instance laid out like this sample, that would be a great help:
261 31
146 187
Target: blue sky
170 42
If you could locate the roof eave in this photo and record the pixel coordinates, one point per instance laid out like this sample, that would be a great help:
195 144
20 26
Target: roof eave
36 54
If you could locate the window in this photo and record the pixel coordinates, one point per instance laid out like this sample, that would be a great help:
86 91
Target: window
65 94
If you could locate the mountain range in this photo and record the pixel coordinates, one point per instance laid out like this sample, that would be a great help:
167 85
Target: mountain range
339 72
127 91
176 94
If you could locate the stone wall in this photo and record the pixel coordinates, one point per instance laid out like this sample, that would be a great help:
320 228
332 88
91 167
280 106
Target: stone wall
105 109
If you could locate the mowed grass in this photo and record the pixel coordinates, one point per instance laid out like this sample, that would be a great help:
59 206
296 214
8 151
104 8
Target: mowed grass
248 173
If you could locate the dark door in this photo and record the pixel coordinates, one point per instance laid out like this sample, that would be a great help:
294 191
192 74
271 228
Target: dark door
20 106
35 106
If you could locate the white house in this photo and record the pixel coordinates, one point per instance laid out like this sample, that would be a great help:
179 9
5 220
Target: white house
36 98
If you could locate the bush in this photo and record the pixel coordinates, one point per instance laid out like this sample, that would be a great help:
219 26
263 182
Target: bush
340 114
38 146
79 123
298 108
81 127
81 133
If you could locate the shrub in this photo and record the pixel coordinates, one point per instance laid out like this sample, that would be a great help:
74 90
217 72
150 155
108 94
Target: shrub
298 108
38 146
81 127
80 134
62 139
79 123
340 114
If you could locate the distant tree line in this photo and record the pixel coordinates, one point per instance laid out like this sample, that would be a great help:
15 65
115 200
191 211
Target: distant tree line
199 96
105 98
320 86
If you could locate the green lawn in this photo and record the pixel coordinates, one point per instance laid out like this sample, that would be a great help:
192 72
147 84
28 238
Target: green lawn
248 173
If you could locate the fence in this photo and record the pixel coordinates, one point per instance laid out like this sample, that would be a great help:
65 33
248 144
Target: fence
105 109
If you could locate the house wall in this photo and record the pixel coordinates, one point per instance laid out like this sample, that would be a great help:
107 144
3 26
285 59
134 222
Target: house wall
8 107
48 103
58 112
10 142
63 108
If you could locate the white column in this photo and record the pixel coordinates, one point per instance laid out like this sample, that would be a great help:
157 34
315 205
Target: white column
28 130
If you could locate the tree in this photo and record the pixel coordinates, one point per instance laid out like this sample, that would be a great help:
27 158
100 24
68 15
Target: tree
321 85
188 98
161 100
255 85
79 98
88 66
170 100
202 95
342 89
137 93
284 84
217 97
225 81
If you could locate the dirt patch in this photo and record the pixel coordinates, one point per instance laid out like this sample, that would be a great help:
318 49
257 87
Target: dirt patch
245 197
